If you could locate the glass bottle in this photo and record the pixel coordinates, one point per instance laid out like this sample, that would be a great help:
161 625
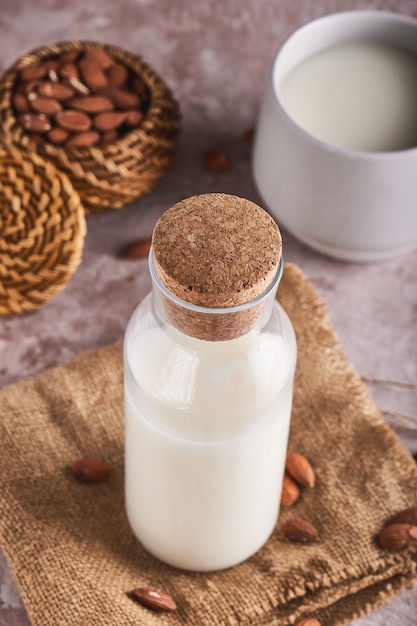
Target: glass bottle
209 367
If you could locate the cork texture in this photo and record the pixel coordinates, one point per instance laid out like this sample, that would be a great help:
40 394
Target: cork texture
216 250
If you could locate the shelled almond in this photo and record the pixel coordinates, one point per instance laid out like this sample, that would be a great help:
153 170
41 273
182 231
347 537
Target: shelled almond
290 491
400 530
216 161
301 530
397 536
153 599
87 470
300 469
80 98
406 516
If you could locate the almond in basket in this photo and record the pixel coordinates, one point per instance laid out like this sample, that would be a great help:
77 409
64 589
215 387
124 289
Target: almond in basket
80 98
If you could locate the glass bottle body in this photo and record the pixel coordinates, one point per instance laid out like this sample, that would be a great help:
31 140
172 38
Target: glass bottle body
206 431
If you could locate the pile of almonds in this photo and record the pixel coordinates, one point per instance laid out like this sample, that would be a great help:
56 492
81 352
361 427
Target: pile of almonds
80 98
298 474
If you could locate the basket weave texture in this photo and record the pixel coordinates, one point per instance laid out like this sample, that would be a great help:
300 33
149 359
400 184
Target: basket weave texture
111 175
42 229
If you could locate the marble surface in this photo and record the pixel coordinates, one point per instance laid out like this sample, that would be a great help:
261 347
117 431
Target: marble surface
215 55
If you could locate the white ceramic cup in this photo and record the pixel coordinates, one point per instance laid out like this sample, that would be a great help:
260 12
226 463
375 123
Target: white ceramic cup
349 204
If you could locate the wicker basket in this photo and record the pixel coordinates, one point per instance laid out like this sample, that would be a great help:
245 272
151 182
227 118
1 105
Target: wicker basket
42 226
106 176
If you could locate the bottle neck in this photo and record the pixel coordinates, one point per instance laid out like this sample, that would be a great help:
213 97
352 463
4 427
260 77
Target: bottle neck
213 324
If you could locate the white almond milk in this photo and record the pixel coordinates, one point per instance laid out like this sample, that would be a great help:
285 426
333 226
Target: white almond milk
198 495
361 96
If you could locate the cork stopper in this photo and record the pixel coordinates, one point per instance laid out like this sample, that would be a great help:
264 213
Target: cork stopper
216 251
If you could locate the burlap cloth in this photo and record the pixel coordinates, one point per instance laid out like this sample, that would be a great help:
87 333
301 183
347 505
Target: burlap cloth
74 557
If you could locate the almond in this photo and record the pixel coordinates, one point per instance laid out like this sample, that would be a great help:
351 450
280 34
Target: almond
55 90
300 530
137 250
397 536
109 121
78 85
407 516
49 106
20 103
53 75
33 72
110 135
92 104
32 87
153 599
134 117
58 135
32 96
76 121
99 57
308 621
69 70
121 98
52 66
216 161
90 470
92 74
118 75
140 87
89 138
69 57
35 122
290 491
300 469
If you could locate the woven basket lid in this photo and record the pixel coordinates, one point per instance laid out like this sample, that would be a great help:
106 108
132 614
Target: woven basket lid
42 229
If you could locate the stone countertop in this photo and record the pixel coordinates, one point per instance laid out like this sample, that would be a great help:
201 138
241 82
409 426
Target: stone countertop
215 56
